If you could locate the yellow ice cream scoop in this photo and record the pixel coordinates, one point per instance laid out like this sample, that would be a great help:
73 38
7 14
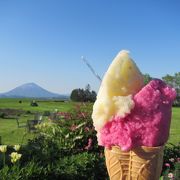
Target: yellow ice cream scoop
123 76
122 80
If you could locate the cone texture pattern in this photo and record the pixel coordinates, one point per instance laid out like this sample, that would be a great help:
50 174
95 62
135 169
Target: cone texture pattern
142 163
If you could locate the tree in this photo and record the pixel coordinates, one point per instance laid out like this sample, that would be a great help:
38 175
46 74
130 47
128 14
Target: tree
147 78
74 95
87 93
77 95
177 82
83 95
93 96
174 81
88 87
169 80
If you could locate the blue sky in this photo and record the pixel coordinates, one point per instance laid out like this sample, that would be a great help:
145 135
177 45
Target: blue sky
42 41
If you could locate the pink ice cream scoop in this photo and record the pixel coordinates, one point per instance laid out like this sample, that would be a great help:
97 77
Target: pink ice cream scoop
148 123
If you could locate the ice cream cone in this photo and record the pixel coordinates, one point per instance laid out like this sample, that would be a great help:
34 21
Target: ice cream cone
141 163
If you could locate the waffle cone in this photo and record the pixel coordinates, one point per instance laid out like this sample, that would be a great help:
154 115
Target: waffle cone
141 163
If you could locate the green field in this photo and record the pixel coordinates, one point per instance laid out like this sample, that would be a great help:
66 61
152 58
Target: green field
9 131
44 105
11 134
175 126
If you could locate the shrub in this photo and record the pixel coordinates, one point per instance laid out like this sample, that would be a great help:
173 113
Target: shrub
81 166
67 149
171 163
29 171
28 112
10 173
2 115
46 113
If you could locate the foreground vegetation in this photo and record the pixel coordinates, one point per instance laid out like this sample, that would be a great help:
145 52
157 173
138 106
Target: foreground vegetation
65 148
9 129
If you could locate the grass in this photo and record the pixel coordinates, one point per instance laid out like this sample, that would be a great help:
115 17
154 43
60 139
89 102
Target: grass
11 134
9 131
43 105
175 126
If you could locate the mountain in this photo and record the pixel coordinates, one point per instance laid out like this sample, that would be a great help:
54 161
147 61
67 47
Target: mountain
31 90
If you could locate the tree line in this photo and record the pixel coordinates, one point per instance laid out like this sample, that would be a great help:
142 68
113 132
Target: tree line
83 95
86 95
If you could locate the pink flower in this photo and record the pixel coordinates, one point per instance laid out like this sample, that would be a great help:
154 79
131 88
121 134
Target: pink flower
167 164
77 107
65 115
86 129
89 144
178 160
83 114
170 175
90 141
101 155
73 127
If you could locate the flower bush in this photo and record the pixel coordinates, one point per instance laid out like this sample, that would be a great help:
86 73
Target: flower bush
171 165
66 148
14 159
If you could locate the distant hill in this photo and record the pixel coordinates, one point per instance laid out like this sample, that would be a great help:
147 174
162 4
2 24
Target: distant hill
31 90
